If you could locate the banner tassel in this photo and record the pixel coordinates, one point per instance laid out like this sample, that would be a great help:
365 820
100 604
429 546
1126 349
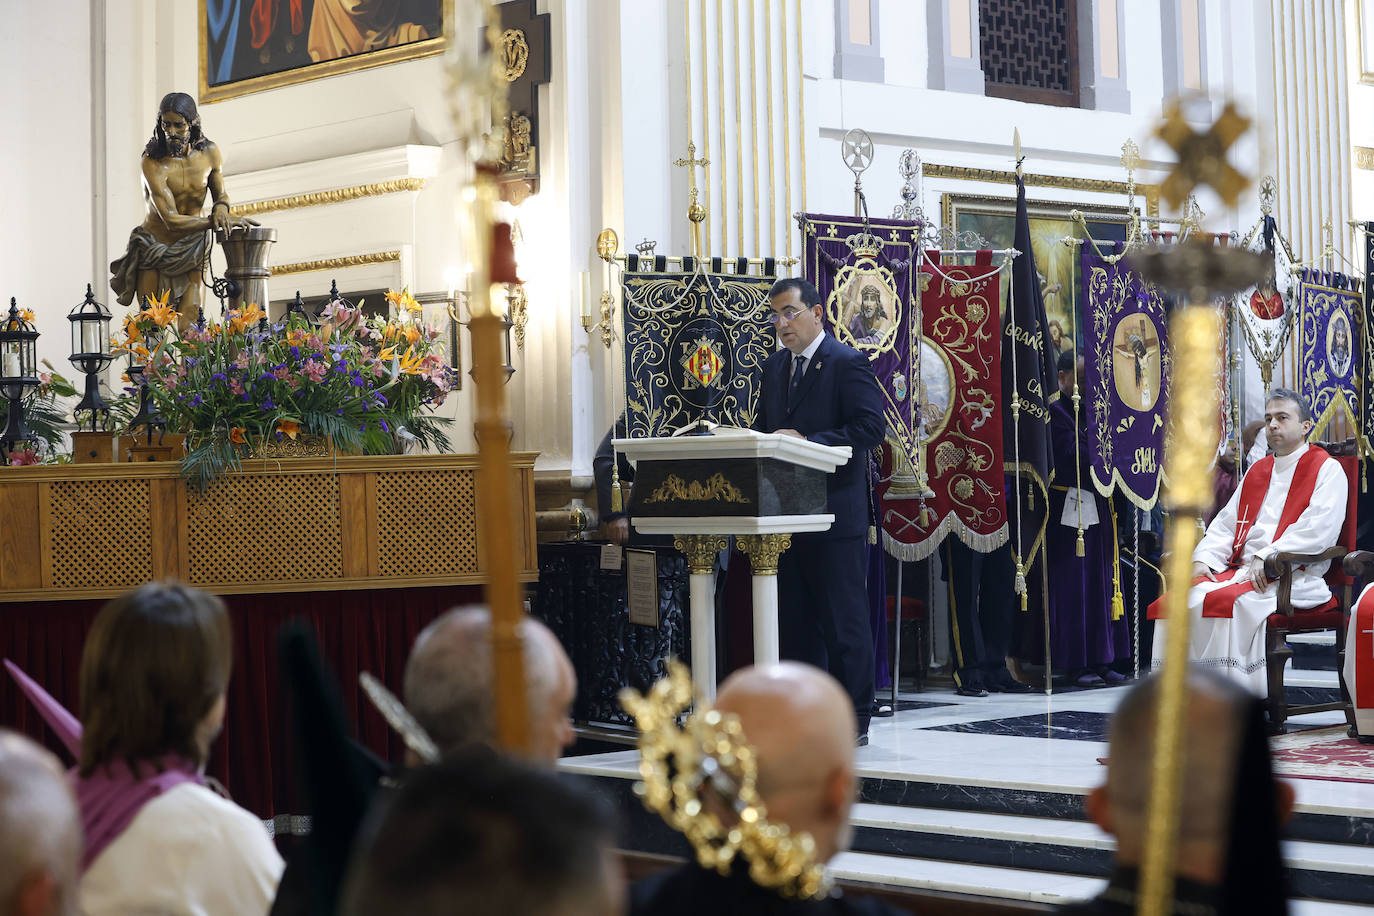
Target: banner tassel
1364 475
616 504
1118 603
1078 549
1021 584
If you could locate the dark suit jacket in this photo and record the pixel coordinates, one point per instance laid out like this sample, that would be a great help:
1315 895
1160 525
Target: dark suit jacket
837 403
691 890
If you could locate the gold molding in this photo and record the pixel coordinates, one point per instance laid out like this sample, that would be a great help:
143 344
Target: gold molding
353 260
763 551
701 550
1364 158
1091 185
335 196
411 51
1006 206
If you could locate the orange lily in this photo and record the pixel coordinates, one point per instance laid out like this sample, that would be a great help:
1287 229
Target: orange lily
387 353
236 434
288 427
389 331
295 337
412 333
250 314
26 315
410 362
162 314
403 300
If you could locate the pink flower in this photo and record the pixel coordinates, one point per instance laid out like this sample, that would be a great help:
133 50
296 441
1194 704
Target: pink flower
23 456
241 361
313 342
314 371
235 385
281 372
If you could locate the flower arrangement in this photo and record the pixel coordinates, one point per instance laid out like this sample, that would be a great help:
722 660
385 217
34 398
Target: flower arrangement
365 384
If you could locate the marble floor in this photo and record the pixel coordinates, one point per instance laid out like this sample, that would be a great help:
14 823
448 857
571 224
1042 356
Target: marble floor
984 796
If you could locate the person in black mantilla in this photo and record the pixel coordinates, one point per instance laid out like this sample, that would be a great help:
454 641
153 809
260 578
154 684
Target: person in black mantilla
817 388
799 721
1230 805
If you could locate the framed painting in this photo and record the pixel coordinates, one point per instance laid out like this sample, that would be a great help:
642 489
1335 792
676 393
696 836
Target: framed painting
251 45
994 218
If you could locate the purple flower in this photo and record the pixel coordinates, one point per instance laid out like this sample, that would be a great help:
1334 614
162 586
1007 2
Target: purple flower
295 352
385 428
268 404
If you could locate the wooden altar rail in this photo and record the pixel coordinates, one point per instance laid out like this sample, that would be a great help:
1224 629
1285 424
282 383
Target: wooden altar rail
299 524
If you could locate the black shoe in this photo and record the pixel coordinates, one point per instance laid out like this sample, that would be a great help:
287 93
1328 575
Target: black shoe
970 684
1003 682
970 690
883 710
862 740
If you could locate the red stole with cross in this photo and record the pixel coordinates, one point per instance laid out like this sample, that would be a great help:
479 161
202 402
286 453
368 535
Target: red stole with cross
1360 644
1220 602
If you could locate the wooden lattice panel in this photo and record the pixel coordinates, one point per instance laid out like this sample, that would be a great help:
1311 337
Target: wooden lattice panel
275 528
426 525
1029 45
101 537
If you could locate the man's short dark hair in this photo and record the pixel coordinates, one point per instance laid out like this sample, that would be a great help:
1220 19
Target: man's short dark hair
480 833
1068 361
1288 394
809 295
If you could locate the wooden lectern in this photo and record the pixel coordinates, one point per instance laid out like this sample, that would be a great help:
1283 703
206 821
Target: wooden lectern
760 487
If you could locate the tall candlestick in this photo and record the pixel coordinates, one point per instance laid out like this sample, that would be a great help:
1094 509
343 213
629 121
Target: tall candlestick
586 289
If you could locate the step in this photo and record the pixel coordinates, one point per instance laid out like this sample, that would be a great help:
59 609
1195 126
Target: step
1319 870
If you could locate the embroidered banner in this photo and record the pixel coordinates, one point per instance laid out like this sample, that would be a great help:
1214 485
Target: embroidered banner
864 272
1367 396
960 432
1127 370
1329 348
939 388
695 342
1265 309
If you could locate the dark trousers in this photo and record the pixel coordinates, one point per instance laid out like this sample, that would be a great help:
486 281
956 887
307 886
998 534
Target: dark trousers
982 599
823 614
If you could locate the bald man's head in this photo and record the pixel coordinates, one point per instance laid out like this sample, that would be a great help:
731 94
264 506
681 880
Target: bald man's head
40 832
448 683
800 723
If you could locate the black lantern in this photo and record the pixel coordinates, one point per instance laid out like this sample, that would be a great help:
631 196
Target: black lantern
147 415
91 352
18 373
297 311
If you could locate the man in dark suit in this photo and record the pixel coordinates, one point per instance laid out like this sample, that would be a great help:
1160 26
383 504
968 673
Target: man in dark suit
817 388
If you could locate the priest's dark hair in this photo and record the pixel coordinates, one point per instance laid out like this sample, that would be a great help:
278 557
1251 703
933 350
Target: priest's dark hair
809 294
1288 394
184 105
481 833
156 661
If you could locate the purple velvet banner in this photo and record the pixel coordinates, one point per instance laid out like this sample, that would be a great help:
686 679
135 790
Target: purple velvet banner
1127 369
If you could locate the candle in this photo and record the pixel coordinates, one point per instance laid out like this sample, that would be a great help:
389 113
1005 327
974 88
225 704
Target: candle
10 365
90 337
586 294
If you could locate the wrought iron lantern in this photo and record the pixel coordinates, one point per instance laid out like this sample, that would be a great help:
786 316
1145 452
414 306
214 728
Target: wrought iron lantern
297 311
91 352
147 416
18 373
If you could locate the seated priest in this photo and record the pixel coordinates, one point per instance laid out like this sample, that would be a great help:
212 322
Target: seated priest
1291 501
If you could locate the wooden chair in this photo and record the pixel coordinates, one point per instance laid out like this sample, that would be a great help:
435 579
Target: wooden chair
1331 615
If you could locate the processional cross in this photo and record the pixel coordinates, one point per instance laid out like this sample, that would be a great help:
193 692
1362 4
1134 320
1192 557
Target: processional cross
695 211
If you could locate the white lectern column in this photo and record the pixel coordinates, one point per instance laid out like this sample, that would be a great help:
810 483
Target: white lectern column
763 551
701 551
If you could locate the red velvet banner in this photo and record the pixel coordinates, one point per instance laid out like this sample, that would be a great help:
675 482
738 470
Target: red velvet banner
959 376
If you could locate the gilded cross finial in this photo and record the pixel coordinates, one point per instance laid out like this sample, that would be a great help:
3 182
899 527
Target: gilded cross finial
1130 159
695 211
1202 156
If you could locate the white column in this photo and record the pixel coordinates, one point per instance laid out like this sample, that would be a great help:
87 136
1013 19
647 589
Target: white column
765 618
703 610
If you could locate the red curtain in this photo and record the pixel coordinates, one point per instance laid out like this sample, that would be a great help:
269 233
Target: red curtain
357 630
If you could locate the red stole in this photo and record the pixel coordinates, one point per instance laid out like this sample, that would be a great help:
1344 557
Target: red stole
1219 602
1362 644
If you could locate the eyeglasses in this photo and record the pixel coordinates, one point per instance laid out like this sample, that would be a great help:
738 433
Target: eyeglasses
788 314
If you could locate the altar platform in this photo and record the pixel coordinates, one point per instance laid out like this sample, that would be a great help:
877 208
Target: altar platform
984 797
